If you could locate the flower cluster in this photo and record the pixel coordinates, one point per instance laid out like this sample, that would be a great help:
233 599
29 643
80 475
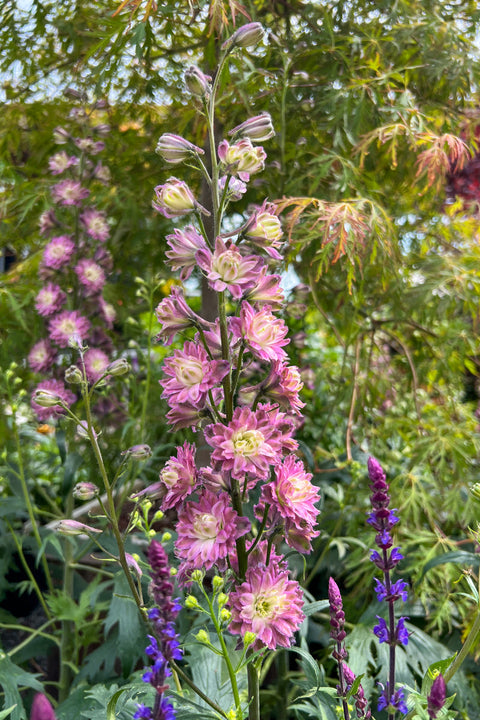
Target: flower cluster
386 558
75 264
163 644
232 379
345 674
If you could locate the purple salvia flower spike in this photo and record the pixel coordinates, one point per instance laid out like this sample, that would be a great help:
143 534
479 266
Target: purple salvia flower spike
436 697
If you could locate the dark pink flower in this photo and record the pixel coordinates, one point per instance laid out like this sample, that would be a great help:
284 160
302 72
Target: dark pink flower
227 269
91 275
264 334
41 356
96 362
95 224
268 604
207 531
55 388
179 476
67 325
49 300
69 192
190 375
248 444
184 245
58 252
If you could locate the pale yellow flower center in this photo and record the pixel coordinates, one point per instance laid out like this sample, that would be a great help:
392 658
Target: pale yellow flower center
247 442
190 372
205 526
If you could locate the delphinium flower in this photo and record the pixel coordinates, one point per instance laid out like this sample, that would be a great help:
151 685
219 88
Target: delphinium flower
386 558
75 263
249 469
58 392
163 643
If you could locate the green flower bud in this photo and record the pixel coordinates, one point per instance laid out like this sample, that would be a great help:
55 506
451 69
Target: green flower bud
118 367
192 603
249 638
217 583
197 576
73 375
203 637
222 600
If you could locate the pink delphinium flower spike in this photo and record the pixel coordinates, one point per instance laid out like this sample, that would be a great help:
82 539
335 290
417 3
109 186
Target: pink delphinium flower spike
50 300
190 375
67 325
58 252
264 334
179 476
91 276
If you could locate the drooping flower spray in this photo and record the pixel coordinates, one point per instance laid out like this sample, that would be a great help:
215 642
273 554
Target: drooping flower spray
392 632
232 379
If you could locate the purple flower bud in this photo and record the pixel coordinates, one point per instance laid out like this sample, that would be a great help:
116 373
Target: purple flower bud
72 527
375 470
85 491
138 452
248 35
41 708
258 128
197 82
436 697
175 149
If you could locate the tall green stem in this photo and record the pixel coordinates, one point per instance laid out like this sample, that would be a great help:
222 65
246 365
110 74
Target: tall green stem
67 634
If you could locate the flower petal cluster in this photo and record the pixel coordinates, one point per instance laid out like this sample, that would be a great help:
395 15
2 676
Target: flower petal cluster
207 531
227 269
58 252
41 356
50 300
179 476
174 315
291 499
91 276
248 444
96 363
262 332
392 702
67 325
184 245
269 604
175 199
190 375
241 159
95 224
436 697
69 192
264 230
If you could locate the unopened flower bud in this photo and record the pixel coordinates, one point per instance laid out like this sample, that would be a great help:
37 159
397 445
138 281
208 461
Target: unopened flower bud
166 537
175 199
118 367
175 149
41 708
249 638
258 128
132 562
225 615
475 490
72 527
73 375
191 603
85 491
217 583
203 637
222 599
197 576
138 452
158 516
248 35
102 129
82 430
197 82
45 398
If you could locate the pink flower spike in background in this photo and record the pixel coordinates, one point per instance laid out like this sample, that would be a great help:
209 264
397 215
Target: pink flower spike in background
41 356
69 192
91 275
95 224
96 362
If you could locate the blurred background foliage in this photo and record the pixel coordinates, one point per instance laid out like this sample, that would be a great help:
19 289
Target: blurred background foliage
375 105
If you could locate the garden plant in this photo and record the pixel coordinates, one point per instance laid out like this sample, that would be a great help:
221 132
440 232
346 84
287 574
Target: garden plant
239 480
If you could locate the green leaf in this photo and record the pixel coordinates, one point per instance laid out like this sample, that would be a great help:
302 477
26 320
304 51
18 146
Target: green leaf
124 614
457 557
12 677
5 713
113 702
315 607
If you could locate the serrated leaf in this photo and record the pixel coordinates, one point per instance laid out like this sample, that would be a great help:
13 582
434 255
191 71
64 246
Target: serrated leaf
124 614
457 557
12 677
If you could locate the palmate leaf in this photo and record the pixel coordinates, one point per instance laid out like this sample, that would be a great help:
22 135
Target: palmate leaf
12 677
457 557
